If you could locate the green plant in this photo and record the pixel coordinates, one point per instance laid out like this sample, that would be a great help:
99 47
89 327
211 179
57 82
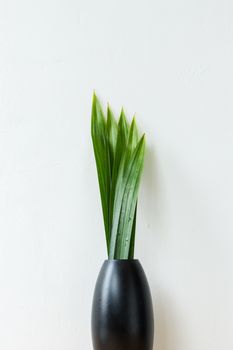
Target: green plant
119 155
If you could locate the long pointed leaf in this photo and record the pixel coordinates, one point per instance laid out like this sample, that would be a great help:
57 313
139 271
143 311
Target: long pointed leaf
122 137
131 144
119 161
112 136
132 240
129 204
100 145
126 191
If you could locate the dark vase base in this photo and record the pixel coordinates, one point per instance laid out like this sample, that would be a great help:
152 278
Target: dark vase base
122 312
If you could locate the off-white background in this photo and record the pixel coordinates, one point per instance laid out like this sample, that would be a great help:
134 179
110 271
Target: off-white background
169 61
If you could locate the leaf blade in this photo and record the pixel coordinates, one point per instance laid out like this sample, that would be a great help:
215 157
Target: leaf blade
126 196
132 240
129 204
121 141
112 136
100 146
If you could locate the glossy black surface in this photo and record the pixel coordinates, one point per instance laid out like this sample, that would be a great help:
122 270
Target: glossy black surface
122 312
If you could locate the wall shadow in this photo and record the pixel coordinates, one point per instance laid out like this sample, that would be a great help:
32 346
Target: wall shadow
164 322
154 204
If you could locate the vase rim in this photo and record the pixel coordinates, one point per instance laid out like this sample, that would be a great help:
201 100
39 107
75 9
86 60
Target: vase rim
121 260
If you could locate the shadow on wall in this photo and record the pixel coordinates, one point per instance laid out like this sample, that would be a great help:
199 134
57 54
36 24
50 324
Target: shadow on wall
154 197
164 322
158 202
152 214
154 204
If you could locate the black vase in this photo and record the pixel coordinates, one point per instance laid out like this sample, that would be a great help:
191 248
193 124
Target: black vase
122 312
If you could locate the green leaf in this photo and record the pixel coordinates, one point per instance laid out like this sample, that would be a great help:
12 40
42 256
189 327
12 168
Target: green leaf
135 136
122 138
119 156
132 241
131 144
126 199
112 136
129 203
121 141
100 145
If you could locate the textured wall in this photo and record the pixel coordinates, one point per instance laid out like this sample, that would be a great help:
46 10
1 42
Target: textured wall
171 63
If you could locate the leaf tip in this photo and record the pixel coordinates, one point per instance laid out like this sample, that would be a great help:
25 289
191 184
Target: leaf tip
94 98
123 116
108 108
133 123
143 138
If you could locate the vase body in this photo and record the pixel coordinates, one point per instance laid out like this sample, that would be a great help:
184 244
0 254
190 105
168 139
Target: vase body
122 311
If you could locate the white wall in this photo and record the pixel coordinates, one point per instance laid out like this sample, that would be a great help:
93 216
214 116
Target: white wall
169 61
